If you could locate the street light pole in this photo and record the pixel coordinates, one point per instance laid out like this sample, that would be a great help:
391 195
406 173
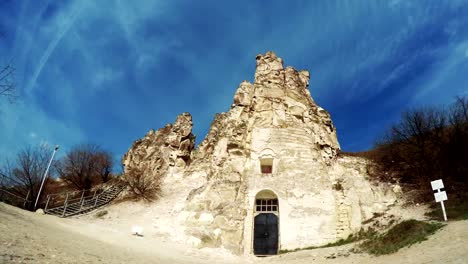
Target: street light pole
45 175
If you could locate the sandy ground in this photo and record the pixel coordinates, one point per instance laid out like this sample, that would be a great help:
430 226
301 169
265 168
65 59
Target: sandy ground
27 237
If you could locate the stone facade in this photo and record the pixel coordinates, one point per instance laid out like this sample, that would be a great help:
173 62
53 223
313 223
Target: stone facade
273 122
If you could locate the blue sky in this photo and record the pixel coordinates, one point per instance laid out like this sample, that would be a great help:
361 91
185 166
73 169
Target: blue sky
108 71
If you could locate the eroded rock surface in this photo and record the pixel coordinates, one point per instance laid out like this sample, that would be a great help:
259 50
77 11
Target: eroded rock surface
276 105
273 122
279 98
158 151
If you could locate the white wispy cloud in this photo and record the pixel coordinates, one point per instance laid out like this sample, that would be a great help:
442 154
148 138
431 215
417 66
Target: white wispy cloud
61 26
107 72
446 78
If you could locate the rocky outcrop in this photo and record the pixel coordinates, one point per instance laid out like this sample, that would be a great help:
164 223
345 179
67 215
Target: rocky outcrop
278 99
274 121
158 151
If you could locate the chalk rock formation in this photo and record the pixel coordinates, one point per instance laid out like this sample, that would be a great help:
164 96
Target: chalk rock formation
168 147
274 119
275 144
279 98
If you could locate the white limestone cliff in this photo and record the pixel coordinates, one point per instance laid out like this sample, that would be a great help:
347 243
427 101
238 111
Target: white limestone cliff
322 198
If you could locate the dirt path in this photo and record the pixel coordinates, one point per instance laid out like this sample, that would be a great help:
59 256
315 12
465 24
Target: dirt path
32 238
27 237
449 245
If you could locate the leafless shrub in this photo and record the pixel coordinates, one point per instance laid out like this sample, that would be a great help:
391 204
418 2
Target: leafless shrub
142 186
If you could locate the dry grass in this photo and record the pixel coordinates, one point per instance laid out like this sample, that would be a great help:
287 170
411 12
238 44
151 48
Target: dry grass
456 209
399 236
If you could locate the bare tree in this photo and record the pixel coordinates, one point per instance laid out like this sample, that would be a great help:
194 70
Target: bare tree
7 85
104 163
459 112
84 166
24 175
427 144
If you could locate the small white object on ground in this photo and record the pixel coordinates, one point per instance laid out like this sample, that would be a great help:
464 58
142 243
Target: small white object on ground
40 211
137 230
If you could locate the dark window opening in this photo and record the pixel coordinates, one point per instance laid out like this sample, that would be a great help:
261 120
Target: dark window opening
266 165
266 205
267 168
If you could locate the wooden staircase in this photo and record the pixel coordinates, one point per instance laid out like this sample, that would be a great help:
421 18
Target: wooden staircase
74 203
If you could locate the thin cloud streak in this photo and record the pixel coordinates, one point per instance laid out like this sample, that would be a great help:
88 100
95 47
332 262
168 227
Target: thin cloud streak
63 29
107 73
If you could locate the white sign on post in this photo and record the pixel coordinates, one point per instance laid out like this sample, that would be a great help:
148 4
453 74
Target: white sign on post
438 184
440 196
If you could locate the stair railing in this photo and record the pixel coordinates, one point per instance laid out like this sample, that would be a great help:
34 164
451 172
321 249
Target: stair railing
56 200
13 198
65 205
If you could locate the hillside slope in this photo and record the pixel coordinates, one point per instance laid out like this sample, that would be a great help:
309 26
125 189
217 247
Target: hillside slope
32 238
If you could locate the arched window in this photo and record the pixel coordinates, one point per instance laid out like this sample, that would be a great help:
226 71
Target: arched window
266 205
266 201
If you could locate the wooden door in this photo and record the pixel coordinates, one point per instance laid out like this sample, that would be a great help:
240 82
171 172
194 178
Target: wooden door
266 234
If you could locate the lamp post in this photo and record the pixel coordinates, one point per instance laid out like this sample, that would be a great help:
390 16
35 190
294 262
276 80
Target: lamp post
45 175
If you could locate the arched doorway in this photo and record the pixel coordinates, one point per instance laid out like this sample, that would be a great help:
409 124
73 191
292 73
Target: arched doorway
266 224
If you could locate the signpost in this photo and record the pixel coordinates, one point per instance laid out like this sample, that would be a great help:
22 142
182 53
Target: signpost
440 196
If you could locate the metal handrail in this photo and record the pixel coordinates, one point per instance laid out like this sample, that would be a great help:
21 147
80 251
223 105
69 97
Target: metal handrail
81 198
102 186
77 204
24 200
16 196
75 199
52 198
63 193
